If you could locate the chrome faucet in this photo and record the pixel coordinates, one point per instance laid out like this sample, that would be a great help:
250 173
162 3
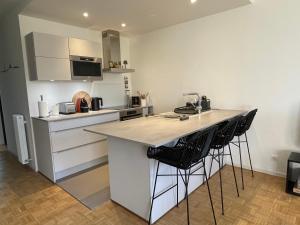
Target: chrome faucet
197 104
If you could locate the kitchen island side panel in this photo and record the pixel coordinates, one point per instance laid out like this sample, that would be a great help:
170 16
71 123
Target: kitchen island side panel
132 177
129 174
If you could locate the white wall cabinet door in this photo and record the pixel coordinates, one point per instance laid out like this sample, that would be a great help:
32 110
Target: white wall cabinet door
48 57
53 69
52 46
81 47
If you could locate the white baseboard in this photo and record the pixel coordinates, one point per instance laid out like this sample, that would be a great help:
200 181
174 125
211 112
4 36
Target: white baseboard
273 173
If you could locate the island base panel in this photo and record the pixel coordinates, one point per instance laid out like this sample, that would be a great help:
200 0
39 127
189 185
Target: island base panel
132 177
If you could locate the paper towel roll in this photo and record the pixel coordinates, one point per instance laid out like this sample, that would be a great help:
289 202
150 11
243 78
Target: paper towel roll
43 109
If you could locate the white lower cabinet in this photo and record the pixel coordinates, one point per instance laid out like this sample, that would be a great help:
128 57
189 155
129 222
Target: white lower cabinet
69 150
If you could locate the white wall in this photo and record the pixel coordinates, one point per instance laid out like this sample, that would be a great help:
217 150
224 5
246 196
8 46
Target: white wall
1 64
243 58
13 83
111 88
1 132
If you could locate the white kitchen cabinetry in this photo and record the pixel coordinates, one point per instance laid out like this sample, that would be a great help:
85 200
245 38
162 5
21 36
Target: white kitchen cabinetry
63 147
81 47
52 69
48 57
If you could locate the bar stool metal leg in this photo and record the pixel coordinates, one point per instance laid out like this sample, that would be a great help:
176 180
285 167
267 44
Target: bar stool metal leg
211 203
177 188
187 196
236 185
220 176
211 162
153 195
243 186
249 154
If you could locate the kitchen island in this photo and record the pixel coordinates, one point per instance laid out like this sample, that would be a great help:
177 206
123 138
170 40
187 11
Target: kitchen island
132 173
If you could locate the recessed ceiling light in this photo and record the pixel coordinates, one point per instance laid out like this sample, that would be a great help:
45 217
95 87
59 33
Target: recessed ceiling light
193 1
85 14
123 24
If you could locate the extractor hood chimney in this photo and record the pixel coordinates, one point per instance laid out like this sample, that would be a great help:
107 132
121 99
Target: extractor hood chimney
112 53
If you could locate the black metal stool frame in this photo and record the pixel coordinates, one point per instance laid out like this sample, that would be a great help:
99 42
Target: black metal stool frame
238 144
242 128
185 178
219 157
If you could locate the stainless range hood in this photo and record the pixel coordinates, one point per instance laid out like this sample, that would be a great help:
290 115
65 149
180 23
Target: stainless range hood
112 52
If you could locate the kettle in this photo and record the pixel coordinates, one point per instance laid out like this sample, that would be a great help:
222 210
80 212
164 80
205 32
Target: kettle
97 103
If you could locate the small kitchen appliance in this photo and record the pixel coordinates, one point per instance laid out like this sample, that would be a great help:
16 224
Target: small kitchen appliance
84 107
97 103
86 68
67 108
205 104
135 101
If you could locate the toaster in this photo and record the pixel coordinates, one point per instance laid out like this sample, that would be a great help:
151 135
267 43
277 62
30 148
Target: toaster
67 108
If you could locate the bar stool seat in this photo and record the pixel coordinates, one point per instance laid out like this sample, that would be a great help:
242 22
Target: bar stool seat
188 152
222 138
243 126
170 156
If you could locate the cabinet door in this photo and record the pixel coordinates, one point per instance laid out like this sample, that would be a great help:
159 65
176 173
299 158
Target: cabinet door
84 48
52 46
53 69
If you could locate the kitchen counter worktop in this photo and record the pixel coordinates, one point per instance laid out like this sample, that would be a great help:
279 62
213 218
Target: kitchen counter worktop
90 113
157 130
128 142
76 115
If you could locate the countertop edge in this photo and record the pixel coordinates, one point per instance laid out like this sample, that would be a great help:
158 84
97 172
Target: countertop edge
163 142
82 115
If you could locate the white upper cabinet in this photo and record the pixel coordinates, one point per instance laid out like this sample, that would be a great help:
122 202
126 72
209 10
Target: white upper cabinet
52 46
48 57
81 47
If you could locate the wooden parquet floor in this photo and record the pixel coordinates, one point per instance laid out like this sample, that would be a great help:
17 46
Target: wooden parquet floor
27 197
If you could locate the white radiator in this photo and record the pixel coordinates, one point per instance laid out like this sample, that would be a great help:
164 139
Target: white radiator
21 141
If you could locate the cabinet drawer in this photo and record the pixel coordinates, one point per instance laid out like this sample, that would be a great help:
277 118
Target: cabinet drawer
67 139
82 122
77 156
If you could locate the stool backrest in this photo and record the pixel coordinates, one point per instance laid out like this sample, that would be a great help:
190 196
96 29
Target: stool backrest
225 132
245 123
197 146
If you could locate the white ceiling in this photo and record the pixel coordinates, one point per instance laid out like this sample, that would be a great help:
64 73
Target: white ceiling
141 16
6 5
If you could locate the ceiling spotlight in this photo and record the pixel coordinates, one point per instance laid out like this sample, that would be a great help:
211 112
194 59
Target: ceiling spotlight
85 14
123 24
193 1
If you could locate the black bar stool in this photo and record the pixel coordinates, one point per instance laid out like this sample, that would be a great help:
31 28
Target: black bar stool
224 135
242 127
187 153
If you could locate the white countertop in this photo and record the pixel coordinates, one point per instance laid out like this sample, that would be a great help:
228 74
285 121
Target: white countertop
90 113
156 130
76 115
